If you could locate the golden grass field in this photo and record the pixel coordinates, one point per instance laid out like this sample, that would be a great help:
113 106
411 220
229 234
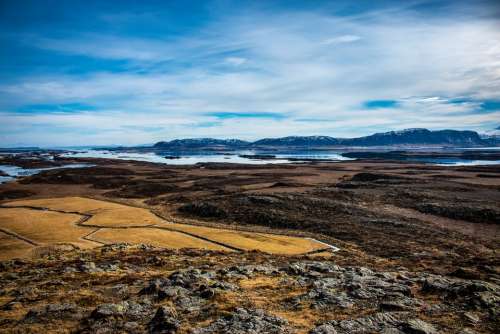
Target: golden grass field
113 222
155 237
270 243
45 227
104 214
11 247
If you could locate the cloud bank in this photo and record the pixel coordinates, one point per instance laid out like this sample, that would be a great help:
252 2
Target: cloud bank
253 72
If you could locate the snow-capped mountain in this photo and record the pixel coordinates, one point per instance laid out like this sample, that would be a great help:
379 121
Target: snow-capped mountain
420 137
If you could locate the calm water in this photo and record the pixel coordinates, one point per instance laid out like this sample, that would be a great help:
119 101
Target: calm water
192 159
15 171
281 158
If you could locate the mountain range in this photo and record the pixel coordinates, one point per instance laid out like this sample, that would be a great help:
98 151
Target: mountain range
408 137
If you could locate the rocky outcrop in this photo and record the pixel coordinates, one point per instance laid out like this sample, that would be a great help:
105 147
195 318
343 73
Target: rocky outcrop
169 291
244 321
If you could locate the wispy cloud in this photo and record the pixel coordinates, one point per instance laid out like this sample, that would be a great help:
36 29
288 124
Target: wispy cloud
313 72
341 39
229 115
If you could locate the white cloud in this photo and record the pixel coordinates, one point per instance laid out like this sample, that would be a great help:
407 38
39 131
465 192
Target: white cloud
341 39
236 61
294 70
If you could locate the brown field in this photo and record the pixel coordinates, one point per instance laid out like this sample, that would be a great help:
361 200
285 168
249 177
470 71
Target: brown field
155 237
45 227
11 247
104 214
123 223
269 243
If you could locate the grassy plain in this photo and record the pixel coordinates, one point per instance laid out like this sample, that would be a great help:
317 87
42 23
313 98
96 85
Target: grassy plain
56 227
104 214
45 227
12 247
152 236
269 243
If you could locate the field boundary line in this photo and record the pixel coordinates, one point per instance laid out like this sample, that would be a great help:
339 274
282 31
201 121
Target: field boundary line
293 234
200 237
87 237
86 217
20 237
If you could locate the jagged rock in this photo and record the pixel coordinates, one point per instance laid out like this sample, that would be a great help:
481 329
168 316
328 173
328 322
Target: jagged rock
132 327
471 317
189 303
310 268
374 323
467 331
417 326
487 298
128 309
164 322
244 321
391 330
53 311
436 284
89 267
251 270
400 304
162 289
221 285
323 329
136 311
109 310
13 305
460 288
172 292
207 293
190 278
115 247
465 273
70 269
323 298
120 290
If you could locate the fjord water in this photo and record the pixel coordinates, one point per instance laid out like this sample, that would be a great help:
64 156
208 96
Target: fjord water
192 158
244 157
14 171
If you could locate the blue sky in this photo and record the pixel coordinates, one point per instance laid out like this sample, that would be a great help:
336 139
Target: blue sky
134 72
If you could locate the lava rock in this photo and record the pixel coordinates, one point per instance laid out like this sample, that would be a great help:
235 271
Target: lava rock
417 326
244 321
164 322
323 329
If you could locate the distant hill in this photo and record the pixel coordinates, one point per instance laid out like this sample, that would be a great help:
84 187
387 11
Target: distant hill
201 143
413 137
418 137
298 141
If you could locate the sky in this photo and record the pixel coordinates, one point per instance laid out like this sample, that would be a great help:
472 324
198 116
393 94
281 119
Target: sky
137 72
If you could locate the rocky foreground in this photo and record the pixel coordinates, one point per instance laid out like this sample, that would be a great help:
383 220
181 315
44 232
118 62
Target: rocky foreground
141 289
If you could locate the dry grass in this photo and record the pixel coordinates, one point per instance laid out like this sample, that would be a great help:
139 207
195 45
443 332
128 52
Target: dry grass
104 214
270 243
11 247
45 227
50 227
325 254
152 236
260 282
